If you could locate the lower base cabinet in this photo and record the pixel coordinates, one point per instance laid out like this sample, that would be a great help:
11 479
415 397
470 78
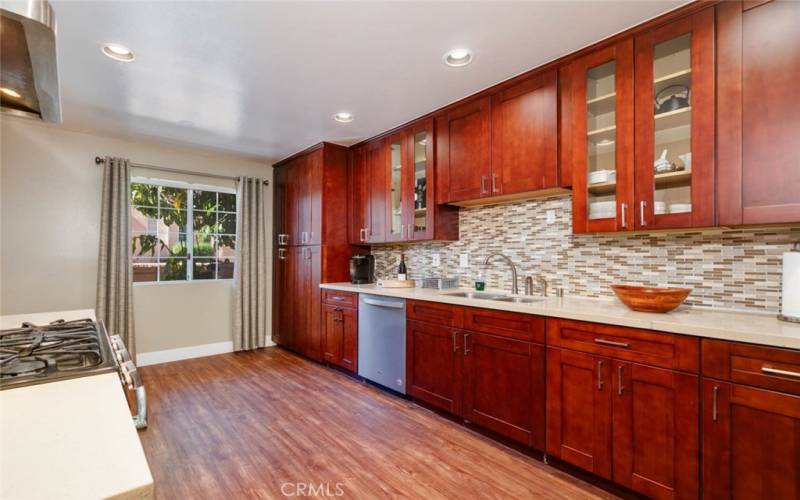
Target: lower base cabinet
492 381
340 336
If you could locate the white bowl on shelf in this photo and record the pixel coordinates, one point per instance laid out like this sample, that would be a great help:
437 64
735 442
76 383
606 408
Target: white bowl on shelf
660 207
680 208
600 176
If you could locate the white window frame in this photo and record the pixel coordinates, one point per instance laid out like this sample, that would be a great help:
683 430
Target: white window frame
190 188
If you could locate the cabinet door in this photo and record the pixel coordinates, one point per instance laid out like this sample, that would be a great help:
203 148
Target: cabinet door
376 170
504 387
293 205
293 297
656 432
313 198
280 305
751 442
279 206
313 305
674 143
349 324
463 149
759 116
579 409
358 201
525 136
602 135
332 333
420 210
433 365
395 173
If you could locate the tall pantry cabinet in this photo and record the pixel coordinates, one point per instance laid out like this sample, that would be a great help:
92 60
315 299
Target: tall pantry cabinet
310 243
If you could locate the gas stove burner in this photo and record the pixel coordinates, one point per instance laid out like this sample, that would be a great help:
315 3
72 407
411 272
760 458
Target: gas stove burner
55 350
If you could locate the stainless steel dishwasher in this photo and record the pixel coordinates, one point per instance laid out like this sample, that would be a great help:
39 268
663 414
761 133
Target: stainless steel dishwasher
382 341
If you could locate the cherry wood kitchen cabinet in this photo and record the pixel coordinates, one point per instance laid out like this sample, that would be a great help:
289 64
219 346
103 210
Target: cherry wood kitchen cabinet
358 213
494 380
312 243
367 193
758 67
663 174
751 421
504 386
525 136
610 413
579 409
340 329
433 365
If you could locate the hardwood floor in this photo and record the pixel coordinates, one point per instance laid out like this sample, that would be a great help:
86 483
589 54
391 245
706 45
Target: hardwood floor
269 424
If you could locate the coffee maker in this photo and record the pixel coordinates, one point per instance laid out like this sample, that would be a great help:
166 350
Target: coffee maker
362 269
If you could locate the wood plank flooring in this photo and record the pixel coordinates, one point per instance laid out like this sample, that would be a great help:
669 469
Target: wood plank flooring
269 424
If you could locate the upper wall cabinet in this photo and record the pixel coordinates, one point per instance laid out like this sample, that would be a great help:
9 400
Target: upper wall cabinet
392 195
654 169
758 50
501 146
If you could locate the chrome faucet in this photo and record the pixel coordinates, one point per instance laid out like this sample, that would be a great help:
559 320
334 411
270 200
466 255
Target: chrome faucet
514 287
543 283
529 285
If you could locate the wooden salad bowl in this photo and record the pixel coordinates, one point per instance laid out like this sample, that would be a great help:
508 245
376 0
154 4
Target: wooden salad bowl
647 299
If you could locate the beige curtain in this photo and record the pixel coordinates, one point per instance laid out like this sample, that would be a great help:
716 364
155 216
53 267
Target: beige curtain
250 275
114 275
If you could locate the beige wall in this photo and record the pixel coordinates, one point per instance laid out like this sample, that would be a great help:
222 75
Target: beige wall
49 218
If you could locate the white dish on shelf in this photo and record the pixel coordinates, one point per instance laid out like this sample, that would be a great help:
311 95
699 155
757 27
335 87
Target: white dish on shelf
680 208
686 158
600 176
660 207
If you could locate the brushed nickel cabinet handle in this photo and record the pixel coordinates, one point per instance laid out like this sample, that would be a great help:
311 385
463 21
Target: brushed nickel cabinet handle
620 386
494 184
467 350
338 299
624 217
483 184
311 236
455 342
714 396
282 253
776 371
600 375
642 206
367 233
612 343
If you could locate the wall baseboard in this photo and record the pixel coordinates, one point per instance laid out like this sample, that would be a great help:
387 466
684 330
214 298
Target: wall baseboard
195 351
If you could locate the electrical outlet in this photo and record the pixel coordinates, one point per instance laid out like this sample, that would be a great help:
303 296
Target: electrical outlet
463 260
435 261
551 216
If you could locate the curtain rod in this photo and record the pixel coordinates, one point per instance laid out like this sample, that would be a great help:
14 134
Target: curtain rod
98 161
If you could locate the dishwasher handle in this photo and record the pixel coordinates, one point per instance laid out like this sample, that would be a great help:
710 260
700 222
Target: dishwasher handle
381 303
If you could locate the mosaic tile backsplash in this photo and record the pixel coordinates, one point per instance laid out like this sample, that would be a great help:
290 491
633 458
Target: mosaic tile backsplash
731 269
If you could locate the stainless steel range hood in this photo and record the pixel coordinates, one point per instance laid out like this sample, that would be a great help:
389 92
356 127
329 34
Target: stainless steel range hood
28 58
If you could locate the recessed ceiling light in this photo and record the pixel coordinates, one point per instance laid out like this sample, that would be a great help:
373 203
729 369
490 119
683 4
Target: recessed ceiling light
118 52
10 92
343 117
458 57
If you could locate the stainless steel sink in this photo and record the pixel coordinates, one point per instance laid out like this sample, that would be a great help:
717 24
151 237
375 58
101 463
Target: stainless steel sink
520 300
476 295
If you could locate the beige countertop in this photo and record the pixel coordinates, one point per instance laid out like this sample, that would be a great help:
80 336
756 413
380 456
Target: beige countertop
754 328
69 439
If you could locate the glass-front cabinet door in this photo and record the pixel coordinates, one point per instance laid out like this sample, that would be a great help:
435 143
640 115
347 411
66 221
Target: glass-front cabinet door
396 158
602 108
420 170
674 137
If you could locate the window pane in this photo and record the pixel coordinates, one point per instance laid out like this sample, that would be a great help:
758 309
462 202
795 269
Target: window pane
205 221
227 223
205 200
144 194
226 245
227 202
144 269
225 269
173 220
144 245
204 245
204 269
173 197
173 269
144 219
172 245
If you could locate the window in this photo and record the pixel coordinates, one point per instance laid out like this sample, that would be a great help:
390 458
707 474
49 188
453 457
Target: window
164 216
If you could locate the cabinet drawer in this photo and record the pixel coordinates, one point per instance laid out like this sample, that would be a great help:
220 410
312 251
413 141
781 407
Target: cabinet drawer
341 299
506 324
434 312
760 366
647 347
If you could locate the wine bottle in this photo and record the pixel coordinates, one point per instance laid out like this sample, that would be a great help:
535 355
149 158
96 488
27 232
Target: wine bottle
402 274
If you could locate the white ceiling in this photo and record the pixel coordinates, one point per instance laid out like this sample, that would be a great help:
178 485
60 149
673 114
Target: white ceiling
264 78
